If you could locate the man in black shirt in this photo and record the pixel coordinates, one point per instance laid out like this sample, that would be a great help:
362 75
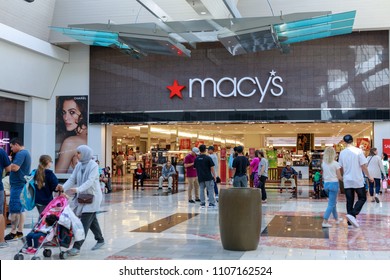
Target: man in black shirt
240 164
206 175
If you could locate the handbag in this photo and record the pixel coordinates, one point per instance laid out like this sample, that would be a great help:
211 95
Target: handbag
85 198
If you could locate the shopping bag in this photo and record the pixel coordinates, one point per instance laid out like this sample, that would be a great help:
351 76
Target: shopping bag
384 184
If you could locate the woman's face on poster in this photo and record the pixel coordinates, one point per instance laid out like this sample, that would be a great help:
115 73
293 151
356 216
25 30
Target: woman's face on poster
70 114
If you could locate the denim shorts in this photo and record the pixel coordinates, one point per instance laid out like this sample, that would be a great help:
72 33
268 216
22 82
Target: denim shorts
1 202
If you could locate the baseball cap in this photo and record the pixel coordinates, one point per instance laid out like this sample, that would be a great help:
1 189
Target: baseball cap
288 163
348 139
211 148
196 150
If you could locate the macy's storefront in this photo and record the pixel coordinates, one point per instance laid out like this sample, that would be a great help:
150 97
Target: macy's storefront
338 79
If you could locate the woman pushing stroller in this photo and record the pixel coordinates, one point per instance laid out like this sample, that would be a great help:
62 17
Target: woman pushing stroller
85 180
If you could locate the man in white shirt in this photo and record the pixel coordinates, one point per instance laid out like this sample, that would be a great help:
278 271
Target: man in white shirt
353 162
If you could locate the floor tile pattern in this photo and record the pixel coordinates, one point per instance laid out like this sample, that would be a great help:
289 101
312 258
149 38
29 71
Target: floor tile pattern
125 211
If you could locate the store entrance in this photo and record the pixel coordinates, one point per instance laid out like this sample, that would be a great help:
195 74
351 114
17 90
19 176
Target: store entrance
298 143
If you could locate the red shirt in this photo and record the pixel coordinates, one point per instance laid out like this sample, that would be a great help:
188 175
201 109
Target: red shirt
190 171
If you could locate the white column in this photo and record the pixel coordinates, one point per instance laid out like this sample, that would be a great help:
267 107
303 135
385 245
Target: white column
381 131
38 134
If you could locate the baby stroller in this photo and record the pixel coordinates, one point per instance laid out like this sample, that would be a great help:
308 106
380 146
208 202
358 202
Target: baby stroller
55 237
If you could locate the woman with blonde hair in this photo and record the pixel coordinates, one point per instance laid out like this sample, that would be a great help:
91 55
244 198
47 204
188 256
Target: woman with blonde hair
45 181
331 176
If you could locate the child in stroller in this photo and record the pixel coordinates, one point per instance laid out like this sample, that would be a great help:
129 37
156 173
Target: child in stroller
35 237
47 228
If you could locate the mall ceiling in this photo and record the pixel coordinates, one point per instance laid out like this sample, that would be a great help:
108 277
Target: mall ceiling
237 131
180 25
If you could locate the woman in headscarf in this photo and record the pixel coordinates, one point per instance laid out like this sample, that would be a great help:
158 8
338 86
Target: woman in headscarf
85 179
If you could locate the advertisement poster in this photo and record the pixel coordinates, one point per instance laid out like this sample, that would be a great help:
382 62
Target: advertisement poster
272 156
386 146
71 130
185 144
364 144
304 142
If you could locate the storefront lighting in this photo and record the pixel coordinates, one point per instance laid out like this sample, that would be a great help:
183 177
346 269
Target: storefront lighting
186 134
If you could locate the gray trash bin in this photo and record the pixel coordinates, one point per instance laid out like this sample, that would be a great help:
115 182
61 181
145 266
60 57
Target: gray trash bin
240 218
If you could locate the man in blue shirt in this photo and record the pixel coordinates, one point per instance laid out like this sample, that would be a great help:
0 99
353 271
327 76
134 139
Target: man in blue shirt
288 174
20 167
5 164
167 172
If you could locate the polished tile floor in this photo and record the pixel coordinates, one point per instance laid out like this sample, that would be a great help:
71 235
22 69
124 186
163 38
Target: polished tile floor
152 224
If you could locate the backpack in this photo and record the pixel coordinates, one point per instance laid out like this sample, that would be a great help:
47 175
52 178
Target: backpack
27 196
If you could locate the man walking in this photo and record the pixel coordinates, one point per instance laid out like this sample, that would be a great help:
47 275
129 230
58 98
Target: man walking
206 175
5 164
20 167
192 176
353 162
240 164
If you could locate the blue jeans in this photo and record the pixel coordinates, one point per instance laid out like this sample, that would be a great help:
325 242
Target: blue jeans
34 236
332 189
377 182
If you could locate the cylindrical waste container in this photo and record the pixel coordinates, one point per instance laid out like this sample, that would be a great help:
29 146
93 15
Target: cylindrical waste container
240 218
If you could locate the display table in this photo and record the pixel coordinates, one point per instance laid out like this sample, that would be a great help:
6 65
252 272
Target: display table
240 218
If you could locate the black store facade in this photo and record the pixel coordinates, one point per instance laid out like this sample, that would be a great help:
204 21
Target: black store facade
336 79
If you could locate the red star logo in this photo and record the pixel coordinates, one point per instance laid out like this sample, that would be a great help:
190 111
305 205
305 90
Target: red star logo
175 90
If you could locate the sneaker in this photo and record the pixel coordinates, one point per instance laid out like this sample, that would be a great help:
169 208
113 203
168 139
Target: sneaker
264 201
142 189
198 200
32 251
372 199
377 199
339 220
326 225
202 205
169 189
4 244
19 234
97 246
25 250
211 205
160 188
10 236
73 252
352 220
191 201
